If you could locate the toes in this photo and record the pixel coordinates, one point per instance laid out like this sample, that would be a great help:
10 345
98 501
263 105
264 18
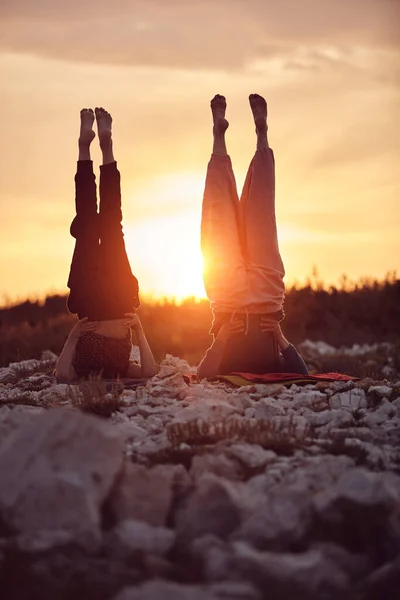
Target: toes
257 99
218 101
87 114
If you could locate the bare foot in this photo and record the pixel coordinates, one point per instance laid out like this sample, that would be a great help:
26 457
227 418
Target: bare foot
86 133
104 122
259 109
218 108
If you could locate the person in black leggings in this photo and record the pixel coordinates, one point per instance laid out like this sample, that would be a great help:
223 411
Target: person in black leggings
103 291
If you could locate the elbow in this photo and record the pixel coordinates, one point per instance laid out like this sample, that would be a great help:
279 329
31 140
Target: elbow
63 376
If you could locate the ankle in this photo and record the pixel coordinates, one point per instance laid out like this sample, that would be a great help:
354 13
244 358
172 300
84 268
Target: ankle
84 151
262 138
107 152
83 143
106 144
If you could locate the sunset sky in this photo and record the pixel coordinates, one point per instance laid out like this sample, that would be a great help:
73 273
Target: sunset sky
329 69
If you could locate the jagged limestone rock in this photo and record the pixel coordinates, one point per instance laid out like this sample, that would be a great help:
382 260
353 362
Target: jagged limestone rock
361 510
381 391
351 399
147 494
168 590
251 456
14 417
219 464
130 537
306 575
63 464
216 506
282 520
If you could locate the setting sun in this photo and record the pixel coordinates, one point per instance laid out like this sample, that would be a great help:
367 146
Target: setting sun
164 250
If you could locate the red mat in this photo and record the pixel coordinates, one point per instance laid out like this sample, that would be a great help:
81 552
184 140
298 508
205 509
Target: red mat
240 379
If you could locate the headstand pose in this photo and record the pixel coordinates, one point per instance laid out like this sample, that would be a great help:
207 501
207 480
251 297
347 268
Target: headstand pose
244 272
103 291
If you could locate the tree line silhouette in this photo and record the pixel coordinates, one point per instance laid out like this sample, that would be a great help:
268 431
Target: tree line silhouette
367 311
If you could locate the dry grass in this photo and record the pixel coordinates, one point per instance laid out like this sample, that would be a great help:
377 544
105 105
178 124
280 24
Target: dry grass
92 396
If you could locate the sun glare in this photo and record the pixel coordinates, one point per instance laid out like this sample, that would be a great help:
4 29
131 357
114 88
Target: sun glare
164 248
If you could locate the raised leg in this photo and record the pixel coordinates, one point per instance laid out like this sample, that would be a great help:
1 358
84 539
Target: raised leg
257 209
85 226
224 275
122 287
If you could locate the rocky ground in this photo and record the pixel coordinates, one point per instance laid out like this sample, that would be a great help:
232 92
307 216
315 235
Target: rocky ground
189 491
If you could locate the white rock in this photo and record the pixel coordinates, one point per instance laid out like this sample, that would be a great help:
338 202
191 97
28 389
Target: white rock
349 400
241 401
387 408
309 399
142 395
11 419
234 590
356 492
249 413
373 419
130 431
145 494
167 590
137 536
251 456
294 388
319 419
207 410
316 472
6 374
219 464
268 407
56 393
216 506
282 519
361 433
380 390
302 575
342 418
63 464
391 424
271 390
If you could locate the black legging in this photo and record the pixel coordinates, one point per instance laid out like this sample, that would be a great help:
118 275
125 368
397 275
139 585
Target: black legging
101 282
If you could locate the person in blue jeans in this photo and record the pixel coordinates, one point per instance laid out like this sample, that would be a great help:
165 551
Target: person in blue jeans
243 272
103 291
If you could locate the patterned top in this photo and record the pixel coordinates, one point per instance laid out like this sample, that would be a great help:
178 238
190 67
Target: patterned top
97 354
